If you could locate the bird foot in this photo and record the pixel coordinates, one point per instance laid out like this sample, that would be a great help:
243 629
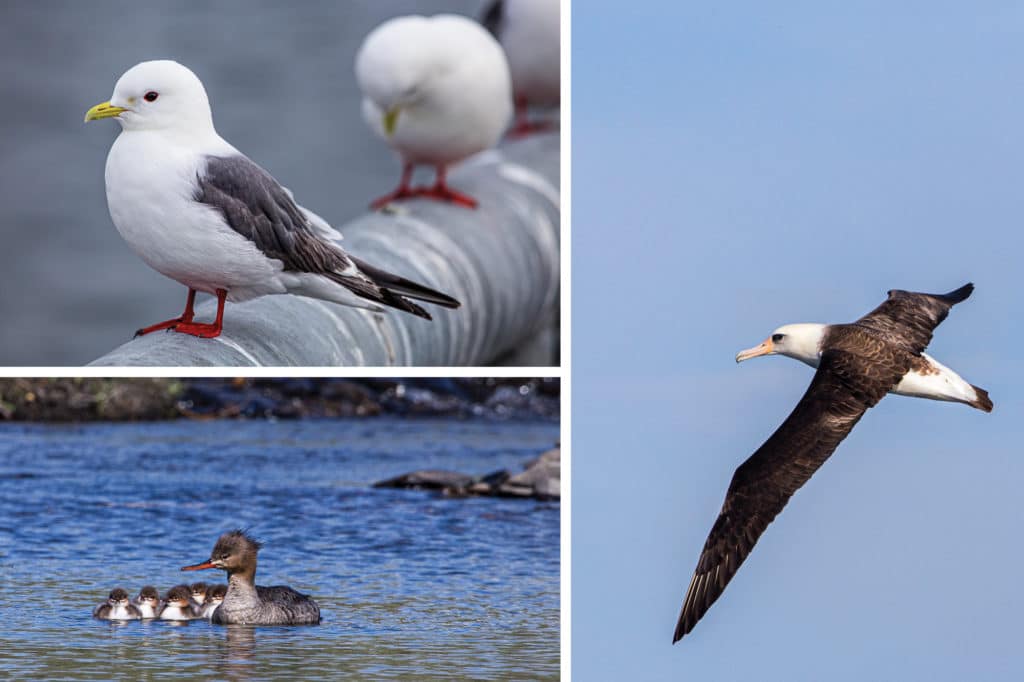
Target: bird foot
526 128
202 330
397 195
445 193
166 324
437 192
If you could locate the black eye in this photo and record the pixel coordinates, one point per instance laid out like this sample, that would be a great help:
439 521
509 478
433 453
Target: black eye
151 96
777 337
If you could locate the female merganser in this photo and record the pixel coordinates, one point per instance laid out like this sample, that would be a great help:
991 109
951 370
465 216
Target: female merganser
178 604
117 607
213 599
246 602
148 602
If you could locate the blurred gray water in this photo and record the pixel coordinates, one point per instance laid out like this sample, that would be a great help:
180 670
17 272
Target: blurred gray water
280 81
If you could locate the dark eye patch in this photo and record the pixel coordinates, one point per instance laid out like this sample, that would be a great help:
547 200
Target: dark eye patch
777 337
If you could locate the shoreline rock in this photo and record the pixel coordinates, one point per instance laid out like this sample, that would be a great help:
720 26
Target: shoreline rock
132 399
539 480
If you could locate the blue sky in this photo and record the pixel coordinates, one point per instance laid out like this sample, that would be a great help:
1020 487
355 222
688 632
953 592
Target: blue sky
737 167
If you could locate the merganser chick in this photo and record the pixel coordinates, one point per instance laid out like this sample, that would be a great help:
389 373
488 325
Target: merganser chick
147 602
117 607
198 591
177 604
246 602
213 599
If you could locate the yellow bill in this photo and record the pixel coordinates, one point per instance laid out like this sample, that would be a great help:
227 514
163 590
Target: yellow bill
390 121
103 110
766 348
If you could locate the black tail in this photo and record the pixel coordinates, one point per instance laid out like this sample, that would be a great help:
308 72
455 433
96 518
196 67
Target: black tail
405 287
981 401
954 297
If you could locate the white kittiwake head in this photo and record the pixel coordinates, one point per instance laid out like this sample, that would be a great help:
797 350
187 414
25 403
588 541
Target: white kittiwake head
157 95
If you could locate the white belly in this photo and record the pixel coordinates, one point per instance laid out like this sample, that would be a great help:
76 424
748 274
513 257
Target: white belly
172 612
150 184
121 612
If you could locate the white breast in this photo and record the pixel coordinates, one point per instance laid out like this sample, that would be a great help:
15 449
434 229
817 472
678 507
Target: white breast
151 182
172 612
121 612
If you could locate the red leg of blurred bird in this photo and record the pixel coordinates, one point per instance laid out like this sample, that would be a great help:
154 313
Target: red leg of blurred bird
206 331
523 126
167 324
404 191
442 192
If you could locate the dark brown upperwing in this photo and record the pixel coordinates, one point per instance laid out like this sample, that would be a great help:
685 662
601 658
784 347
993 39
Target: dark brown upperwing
908 318
838 396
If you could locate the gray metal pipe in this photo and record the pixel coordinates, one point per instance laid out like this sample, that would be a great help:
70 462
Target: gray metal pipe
500 260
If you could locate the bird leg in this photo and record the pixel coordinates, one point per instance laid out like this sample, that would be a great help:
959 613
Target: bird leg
167 324
442 192
524 126
404 191
204 330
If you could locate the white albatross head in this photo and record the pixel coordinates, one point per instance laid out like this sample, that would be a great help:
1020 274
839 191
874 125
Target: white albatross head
799 341
157 95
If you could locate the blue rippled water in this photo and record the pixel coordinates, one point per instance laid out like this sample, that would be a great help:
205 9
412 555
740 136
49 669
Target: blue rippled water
411 585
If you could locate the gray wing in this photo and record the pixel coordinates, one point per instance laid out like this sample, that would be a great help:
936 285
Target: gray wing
836 399
908 318
296 608
257 207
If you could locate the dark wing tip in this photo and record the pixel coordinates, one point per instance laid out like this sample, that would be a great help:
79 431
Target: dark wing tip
491 17
951 298
960 294
392 299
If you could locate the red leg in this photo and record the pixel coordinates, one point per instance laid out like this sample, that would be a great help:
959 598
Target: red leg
523 126
206 331
167 324
442 192
404 191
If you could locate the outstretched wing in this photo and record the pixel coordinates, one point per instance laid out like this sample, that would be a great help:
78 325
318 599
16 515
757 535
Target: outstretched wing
838 396
908 319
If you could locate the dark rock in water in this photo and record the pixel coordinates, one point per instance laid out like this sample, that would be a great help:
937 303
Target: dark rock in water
429 479
540 479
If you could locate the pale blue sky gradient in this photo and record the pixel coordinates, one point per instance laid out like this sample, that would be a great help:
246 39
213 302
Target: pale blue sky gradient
740 166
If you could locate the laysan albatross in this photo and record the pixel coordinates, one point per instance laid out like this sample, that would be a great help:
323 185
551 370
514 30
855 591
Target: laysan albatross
857 364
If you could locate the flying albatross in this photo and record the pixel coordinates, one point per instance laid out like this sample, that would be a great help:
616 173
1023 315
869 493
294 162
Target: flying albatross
857 364
200 212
